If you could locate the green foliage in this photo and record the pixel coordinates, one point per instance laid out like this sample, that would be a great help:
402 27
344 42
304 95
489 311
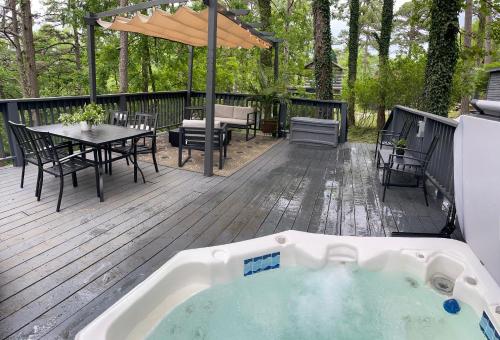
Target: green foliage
93 114
268 93
401 143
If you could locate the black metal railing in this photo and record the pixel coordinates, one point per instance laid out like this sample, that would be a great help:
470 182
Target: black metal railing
168 105
440 170
286 109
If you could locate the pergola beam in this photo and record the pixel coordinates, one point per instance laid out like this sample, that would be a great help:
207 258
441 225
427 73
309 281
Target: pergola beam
136 8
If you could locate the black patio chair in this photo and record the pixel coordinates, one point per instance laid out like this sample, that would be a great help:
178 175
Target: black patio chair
193 138
28 153
118 118
140 146
387 138
413 163
46 153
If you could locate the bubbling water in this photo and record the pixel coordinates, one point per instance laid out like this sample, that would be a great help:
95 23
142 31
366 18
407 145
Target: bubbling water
336 302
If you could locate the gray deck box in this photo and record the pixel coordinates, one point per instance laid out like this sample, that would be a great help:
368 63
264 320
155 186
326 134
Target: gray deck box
313 131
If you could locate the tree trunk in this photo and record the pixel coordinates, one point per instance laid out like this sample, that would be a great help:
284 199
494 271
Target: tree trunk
353 58
481 30
384 43
145 63
78 55
323 68
442 56
123 61
464 102
487 40
29 49
16 41
265 18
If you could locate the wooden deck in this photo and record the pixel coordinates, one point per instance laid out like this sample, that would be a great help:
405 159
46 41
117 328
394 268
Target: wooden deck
58 271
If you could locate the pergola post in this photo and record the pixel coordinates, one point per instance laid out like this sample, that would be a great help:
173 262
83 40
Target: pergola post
210 89
190 75
276 61
91 56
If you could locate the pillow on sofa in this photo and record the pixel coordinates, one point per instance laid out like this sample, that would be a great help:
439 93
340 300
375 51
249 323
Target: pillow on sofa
195 123
224 111
241 112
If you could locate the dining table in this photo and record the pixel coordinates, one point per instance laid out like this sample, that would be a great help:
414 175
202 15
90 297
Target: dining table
99 137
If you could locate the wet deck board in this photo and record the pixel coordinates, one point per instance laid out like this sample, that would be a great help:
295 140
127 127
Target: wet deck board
58 271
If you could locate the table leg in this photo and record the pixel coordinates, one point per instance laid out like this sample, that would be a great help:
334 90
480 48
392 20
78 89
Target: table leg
101 182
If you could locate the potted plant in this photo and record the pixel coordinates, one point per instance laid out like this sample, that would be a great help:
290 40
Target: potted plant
268 94
400 146
91 115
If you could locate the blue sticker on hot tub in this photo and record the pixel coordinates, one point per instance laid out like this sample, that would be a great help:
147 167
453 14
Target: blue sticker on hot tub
261 263
488 328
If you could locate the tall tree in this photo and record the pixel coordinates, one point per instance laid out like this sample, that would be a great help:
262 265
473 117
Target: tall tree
464 102
353 58
123 61
323 68
487 39
29 48
441 57
384 42
265 19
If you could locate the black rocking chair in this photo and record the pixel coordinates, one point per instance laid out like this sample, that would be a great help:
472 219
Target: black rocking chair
413 163
46 153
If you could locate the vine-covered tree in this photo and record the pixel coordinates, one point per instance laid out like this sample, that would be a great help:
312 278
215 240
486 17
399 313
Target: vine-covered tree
323 72
441 57
384 42
123 61
353 59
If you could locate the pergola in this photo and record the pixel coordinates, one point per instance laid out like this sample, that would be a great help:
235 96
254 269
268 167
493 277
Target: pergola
212 27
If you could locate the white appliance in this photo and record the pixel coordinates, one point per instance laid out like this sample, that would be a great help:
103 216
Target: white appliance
477 187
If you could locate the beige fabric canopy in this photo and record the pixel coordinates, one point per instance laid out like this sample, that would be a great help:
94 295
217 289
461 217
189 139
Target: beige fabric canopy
188 27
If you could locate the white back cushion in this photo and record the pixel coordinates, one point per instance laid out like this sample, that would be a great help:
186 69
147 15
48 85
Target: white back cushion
241 112
225 111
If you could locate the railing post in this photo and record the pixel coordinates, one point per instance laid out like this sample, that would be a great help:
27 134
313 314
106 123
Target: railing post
343 123
12 114
122 102
282 113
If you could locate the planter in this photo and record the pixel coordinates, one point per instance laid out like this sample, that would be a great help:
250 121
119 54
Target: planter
269 126
84 126
400 151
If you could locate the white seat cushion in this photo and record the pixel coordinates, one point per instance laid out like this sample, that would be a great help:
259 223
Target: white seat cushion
241 112
224 111
195 123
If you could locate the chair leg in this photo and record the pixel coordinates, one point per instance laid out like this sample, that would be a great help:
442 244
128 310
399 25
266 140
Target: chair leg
425 193
386 182
247 133
154 161
97 181
22 174
221 159
74 179
37 188
61 186
40 186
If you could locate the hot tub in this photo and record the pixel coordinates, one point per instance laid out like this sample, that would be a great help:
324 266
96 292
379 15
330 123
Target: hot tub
301 283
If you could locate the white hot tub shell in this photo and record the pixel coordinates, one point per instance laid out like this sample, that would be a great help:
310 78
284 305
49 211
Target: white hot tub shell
192 271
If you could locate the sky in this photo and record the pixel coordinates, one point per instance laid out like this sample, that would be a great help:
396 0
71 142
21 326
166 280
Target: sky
339 25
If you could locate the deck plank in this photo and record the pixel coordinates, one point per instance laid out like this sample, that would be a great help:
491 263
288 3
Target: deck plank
58 271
